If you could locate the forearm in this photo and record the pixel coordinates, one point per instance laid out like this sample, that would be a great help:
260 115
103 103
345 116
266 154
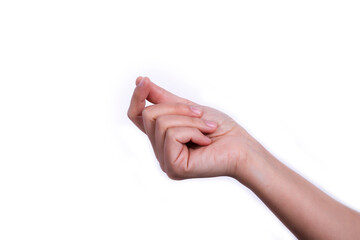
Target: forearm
305 210
228 150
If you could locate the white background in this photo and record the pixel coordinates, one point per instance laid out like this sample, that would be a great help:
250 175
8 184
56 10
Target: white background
72 166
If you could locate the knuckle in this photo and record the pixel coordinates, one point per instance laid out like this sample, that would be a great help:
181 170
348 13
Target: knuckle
171 133
161 122
146 113
162 118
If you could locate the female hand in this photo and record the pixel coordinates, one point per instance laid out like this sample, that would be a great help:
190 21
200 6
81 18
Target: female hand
187 145
189 140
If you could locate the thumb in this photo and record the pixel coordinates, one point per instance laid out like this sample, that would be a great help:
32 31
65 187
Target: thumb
160 95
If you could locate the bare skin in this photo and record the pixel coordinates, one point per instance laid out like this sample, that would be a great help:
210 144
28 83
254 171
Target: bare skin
191 141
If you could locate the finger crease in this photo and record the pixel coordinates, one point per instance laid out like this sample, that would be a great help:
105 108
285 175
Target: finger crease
182 149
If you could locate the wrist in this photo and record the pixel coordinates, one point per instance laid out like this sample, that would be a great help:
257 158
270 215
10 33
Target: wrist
253 169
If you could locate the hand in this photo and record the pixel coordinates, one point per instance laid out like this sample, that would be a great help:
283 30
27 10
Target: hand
189 140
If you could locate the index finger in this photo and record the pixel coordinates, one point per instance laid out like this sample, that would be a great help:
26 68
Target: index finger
159 95
147 90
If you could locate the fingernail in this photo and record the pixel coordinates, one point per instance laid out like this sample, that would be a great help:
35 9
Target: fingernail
141 82
195 110
210 123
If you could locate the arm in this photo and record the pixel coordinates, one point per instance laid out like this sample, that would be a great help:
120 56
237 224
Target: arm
304 209
191 140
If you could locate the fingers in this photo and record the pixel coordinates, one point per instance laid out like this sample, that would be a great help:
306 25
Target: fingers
160 95
170 123
165 122
151 113
146 90
137 103
176 154
157 119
